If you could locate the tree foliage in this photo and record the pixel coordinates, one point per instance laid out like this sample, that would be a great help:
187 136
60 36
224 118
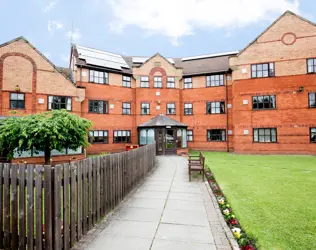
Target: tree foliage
57 129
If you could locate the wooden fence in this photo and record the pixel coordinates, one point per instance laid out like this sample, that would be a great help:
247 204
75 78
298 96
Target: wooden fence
45 207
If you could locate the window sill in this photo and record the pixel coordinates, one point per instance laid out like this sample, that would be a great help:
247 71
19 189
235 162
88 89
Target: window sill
17 108
264 109
187 114
107 84
215 113
256 142
215 141
126 114
215 86
144 114
95 113
263 77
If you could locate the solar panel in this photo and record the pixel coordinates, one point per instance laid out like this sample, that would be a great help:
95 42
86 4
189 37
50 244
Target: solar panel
101 58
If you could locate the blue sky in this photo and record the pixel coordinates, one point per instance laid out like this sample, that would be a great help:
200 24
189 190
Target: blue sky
175 28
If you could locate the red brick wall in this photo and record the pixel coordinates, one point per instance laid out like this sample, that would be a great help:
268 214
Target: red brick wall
292 117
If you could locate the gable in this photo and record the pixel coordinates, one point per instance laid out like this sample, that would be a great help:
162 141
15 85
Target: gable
288 23
22 57
157 61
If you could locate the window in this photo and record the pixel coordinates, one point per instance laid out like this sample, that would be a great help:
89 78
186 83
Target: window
215 107
17 101
216 135
264 102
100 107
189 135
313 134
312 100
126 108
59 102
122 136
171 82
99 136
146 136
99 77
311 65
262 70
157 82
126 81
145 108
188 109
182 138
215 80
188 83
144 82
265 135
171 108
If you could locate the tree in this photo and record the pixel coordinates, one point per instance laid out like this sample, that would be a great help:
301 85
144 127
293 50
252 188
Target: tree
57 129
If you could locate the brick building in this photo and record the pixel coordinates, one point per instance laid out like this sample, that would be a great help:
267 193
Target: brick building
30 83
258 100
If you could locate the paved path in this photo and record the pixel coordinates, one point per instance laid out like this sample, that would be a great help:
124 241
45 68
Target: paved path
165 213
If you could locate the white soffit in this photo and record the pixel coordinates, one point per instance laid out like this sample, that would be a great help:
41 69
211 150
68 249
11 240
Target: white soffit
210 55
101 58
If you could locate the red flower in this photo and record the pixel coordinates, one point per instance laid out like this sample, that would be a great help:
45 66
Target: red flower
233 222
249 247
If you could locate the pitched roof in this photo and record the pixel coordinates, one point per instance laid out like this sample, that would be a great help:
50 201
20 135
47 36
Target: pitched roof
58 69
203 64
278 19
162 121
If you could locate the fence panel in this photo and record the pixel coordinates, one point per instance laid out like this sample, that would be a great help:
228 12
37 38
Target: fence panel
46 207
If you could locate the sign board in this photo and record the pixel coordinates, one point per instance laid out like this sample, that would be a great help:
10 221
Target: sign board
41 101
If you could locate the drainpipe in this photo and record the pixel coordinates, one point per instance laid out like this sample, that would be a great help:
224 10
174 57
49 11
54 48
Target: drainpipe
226 104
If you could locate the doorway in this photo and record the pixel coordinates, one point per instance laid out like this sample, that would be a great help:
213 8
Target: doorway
171 142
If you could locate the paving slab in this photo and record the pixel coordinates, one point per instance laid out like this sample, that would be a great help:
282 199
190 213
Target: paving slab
173 245
139 214
138 229
185 233
166 212
119 242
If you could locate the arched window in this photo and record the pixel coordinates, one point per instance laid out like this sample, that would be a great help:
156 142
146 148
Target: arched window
146 136
150 136
143 137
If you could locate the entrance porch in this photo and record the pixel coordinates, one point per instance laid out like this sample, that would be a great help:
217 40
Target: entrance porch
170 135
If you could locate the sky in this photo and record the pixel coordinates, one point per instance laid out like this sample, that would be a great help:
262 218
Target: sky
174 28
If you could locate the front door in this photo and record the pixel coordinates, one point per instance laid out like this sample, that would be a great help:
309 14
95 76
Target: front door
171 143
160 141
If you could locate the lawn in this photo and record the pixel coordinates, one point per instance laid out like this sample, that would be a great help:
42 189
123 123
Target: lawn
274 197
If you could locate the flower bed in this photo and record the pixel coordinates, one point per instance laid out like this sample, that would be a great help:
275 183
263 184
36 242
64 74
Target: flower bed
244 241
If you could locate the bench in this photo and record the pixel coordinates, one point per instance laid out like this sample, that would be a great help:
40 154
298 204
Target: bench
196 163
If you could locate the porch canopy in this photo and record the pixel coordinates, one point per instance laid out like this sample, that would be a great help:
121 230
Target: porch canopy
168 134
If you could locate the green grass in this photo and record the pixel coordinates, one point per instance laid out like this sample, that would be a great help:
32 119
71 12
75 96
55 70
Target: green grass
274 197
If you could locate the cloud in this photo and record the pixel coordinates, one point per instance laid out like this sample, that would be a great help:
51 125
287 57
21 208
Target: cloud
74 35
178 18
54 24
50 6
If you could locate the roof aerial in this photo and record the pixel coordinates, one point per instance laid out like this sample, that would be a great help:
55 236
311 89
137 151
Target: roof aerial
210 55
